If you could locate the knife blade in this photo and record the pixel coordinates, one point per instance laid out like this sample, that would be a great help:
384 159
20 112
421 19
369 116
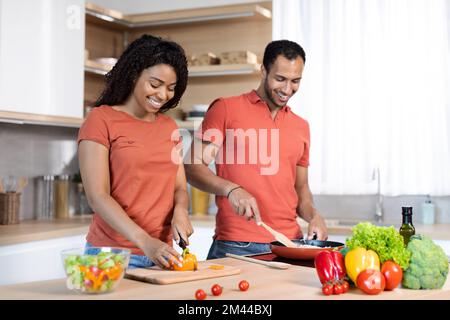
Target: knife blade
182 243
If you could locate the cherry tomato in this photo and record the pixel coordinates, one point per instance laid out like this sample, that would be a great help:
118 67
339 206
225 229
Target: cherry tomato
338 289
244 285
216 290
345 286
393 274
95 270
371 281
327 289
200 294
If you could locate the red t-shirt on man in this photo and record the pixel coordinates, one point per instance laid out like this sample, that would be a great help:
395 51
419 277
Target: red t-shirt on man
260 154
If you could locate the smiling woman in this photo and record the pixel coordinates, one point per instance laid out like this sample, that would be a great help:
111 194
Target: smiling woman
126 148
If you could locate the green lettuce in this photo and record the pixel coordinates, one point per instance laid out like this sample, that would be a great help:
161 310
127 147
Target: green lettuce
385 241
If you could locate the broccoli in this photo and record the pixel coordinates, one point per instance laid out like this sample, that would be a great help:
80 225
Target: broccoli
428 266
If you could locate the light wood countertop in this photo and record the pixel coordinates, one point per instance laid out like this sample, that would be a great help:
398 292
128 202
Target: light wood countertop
295 283
35 230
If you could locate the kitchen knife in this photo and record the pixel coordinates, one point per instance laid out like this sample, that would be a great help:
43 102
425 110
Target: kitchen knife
182 243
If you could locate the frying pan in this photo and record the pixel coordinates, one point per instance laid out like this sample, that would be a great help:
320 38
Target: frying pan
300 253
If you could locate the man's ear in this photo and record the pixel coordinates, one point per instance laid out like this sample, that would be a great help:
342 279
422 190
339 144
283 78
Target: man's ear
263 72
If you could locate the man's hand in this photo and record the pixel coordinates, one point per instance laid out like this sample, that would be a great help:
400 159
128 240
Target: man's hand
317 226
244 204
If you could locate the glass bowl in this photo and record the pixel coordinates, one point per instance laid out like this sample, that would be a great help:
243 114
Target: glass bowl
94 269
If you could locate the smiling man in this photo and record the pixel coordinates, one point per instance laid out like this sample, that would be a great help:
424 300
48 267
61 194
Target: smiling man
261 152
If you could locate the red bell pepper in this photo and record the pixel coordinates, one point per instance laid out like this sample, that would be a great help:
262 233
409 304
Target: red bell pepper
330 267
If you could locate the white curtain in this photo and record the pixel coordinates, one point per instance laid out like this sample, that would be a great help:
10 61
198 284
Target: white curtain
375 90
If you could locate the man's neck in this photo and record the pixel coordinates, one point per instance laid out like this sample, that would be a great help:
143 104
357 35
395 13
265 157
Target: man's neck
273 108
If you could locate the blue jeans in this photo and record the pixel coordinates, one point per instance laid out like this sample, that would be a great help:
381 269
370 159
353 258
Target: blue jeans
136 261
220 247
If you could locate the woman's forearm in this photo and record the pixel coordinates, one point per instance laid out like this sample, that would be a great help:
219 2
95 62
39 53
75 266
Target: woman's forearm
113 214
181 198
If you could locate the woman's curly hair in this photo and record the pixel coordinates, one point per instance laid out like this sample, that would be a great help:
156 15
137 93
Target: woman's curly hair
145 52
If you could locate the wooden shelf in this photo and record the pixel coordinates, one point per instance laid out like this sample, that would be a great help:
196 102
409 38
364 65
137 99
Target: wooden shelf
95 67
223 70
38 119
100 15
242 11
194 71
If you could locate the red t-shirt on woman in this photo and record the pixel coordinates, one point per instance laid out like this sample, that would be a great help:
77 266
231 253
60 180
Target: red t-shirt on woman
142 173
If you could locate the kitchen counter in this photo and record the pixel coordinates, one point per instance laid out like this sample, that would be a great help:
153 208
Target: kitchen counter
34 230
295 283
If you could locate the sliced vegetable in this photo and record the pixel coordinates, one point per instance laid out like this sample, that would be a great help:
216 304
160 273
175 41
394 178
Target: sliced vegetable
94 273
216 267
189 262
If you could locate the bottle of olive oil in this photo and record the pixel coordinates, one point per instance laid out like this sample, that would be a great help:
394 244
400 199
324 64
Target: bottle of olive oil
407 229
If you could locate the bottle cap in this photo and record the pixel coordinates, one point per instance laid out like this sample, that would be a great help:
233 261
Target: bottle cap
407 210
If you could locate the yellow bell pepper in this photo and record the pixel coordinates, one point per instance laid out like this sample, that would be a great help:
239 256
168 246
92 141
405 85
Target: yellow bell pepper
360 259
189 262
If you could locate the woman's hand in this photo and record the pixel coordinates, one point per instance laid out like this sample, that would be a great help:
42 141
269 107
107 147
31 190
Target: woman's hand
181 225
161 253
244 204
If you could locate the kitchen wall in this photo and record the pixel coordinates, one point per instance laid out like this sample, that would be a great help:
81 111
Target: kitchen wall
362 207
32 151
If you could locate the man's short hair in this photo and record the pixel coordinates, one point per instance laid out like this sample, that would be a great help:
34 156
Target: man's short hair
288 49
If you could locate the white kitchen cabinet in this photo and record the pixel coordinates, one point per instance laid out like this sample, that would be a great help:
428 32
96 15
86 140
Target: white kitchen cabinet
36 260
42 57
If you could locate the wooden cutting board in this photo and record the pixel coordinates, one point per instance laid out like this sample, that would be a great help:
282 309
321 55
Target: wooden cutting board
158 276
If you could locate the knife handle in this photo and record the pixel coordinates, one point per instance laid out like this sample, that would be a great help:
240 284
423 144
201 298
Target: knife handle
182 243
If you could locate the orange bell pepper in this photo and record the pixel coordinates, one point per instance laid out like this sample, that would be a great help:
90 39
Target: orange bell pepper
115 272
189 262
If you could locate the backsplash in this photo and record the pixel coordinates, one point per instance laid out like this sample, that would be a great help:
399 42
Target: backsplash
34 150
362 207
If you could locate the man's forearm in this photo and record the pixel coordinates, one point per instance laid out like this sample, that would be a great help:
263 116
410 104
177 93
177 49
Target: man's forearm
201 177
305 208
